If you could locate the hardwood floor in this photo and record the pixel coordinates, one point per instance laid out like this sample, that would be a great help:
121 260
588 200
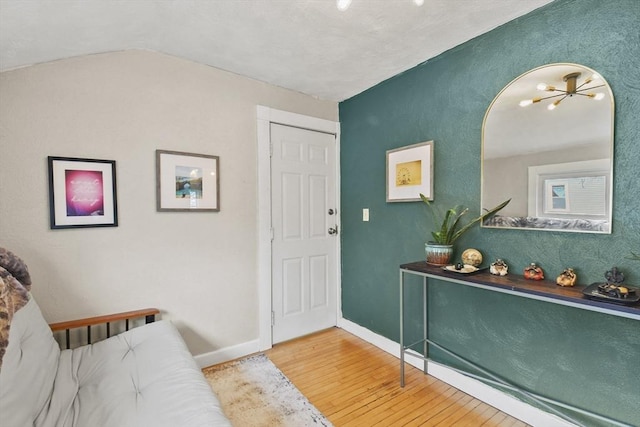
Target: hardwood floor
354 383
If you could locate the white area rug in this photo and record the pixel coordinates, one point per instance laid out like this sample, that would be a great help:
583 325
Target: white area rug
254 393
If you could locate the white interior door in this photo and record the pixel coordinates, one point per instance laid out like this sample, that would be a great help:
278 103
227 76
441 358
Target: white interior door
305 231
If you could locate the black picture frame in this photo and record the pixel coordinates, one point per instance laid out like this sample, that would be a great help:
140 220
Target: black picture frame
82 193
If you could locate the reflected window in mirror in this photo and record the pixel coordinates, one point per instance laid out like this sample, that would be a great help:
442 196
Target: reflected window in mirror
547 144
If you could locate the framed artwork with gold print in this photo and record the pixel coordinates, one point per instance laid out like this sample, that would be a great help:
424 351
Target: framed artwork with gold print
410 172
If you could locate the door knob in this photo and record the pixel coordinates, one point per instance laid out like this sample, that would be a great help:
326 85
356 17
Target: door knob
333 230
331 211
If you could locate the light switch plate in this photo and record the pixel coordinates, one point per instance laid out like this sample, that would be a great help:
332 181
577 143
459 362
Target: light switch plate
365 214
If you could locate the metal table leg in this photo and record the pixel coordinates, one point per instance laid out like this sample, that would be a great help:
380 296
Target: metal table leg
401 329
425 326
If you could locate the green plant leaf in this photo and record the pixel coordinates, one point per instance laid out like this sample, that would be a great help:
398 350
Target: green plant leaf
437 219
444 228
482 217
448 231
456 223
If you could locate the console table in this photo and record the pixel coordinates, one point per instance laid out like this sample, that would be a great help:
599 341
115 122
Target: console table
544 290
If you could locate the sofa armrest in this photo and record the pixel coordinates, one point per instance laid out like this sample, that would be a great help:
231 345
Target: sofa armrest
148 313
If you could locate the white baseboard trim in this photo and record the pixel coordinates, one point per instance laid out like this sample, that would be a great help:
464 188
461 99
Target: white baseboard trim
491 396
228 353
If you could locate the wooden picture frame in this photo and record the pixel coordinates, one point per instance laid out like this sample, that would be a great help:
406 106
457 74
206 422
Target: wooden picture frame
82 193
187 182
410 172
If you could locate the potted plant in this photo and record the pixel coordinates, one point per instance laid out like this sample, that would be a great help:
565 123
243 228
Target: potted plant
440 249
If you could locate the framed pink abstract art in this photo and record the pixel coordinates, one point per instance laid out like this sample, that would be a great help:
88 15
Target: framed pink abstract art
82 193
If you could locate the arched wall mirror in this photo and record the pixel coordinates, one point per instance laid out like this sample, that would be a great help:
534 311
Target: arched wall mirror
547 144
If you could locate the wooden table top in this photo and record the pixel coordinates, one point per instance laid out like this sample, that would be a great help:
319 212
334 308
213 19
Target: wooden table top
516 284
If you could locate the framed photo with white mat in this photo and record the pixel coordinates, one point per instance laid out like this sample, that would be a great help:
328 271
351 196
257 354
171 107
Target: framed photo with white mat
187 182
410 172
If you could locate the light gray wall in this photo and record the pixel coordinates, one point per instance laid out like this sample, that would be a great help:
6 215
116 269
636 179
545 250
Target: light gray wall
508 177
198 268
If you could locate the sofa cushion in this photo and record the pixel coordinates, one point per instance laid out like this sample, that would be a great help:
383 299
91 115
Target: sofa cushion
28 370
143 377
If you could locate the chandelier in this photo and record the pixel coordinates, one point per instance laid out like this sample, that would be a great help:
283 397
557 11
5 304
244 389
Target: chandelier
571 89
344 4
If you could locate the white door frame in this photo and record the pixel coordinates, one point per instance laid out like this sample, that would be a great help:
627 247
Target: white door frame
266 116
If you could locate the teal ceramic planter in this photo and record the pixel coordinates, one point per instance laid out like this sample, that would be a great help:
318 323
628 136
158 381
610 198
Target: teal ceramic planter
438 254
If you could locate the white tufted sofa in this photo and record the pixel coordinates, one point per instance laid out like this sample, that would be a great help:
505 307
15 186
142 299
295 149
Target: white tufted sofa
142 377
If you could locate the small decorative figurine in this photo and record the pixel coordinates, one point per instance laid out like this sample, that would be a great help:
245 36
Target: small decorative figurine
533 272
499 268
614 287
614 276
615 290
567 277
472 257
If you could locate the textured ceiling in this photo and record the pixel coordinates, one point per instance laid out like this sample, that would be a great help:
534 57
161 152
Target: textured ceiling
305 45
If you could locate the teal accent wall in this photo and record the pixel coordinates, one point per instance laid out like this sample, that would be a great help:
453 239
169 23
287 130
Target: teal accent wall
586 359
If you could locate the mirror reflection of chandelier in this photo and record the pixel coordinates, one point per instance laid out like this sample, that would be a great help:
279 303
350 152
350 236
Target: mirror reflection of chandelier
572 89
